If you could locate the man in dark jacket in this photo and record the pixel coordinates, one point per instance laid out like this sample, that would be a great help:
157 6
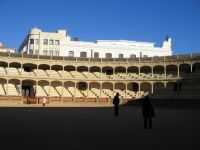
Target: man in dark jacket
148 112
116 101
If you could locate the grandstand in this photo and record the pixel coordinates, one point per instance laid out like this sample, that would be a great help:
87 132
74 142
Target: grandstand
64 79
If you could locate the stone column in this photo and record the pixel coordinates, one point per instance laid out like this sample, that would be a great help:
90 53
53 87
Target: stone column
63 72
126 90
36 85
62 93
152 75
139 71
152 88
49 92
7 87
88 87
22 98
178 74
165 71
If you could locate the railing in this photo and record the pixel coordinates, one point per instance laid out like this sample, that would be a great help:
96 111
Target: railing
146 59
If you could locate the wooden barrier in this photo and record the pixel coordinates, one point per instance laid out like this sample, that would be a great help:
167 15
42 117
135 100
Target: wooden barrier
91 99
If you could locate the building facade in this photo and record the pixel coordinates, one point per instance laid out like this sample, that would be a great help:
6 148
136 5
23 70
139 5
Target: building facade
6 49
60 44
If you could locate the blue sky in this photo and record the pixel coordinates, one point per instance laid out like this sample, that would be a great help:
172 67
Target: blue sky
90 20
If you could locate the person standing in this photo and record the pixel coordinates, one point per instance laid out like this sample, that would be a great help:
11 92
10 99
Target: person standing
148 112
44 100
116 101
28 100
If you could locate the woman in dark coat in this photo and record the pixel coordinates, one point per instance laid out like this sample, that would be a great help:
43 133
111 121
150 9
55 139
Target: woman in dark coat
148 112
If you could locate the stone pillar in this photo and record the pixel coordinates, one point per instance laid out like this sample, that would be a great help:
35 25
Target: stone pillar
36 85
62 93
75 89
100 72
126 90
152 75
165 71
100 89
178 74
37 70
49 92
22 98
88 87
21 70
152 88
139 71
7 87
63 72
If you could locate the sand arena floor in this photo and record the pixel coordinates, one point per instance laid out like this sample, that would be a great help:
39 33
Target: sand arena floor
98 129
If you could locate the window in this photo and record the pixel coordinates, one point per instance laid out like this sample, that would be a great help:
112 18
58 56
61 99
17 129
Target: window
57 42
83 54
96 55
45 42
31 41
51 52
145 56
36 41
50 42
36 52
56 53
45 52
31 51
132 56
108 55
71 53
121 56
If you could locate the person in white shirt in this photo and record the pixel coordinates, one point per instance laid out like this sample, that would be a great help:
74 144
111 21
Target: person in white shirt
44 100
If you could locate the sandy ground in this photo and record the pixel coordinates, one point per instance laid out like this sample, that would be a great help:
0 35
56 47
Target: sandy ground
98 129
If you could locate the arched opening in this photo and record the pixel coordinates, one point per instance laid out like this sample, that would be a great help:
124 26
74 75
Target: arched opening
69 89
184 70
196 68
42 70
82 72
132 72
13 87
95 72
94 89
158 90
42 88
120 72
2 87
132 90
14 69
158 71
56 71
56 89
107 72
29 69
69 71
3 66
145 88
121 89
107 90
171 71
171 89
145 72
28 88
81 90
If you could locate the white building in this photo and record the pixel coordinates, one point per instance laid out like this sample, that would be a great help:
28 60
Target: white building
6 49
60 44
